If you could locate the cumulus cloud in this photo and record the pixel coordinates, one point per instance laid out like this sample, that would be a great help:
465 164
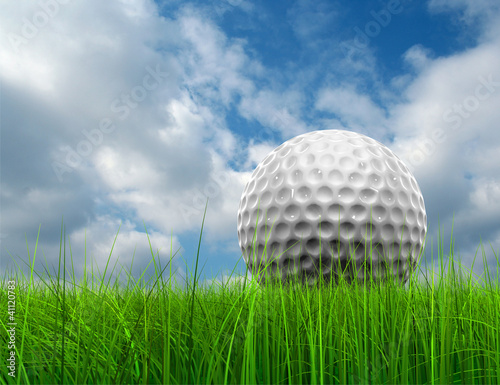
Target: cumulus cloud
257 153
417 56
126 123
112 122
446 132
114 113
350 107
214 64
275 111
310 19
470 8
133 250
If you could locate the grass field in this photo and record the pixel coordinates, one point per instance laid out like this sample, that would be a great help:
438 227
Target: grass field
442 329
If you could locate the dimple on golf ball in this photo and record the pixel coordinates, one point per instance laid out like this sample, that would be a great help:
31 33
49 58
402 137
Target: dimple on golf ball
331 202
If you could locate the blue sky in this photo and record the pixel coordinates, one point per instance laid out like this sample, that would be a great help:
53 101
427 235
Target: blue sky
133 112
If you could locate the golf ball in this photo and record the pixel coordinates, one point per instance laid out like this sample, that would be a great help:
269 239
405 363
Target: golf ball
328 203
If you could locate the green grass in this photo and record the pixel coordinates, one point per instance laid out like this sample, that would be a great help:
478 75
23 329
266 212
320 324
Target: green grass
442 329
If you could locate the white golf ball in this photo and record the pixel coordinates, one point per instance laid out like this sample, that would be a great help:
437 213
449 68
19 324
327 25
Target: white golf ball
335 202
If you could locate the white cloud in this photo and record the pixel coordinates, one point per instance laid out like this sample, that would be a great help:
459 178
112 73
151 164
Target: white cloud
170 190
446 130
350 107
417 56
215 65
451 102
310 19
470 8
275 111
257 153
486 195
168 151
100 236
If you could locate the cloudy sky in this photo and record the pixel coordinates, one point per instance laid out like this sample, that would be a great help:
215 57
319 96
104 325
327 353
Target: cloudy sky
132 113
